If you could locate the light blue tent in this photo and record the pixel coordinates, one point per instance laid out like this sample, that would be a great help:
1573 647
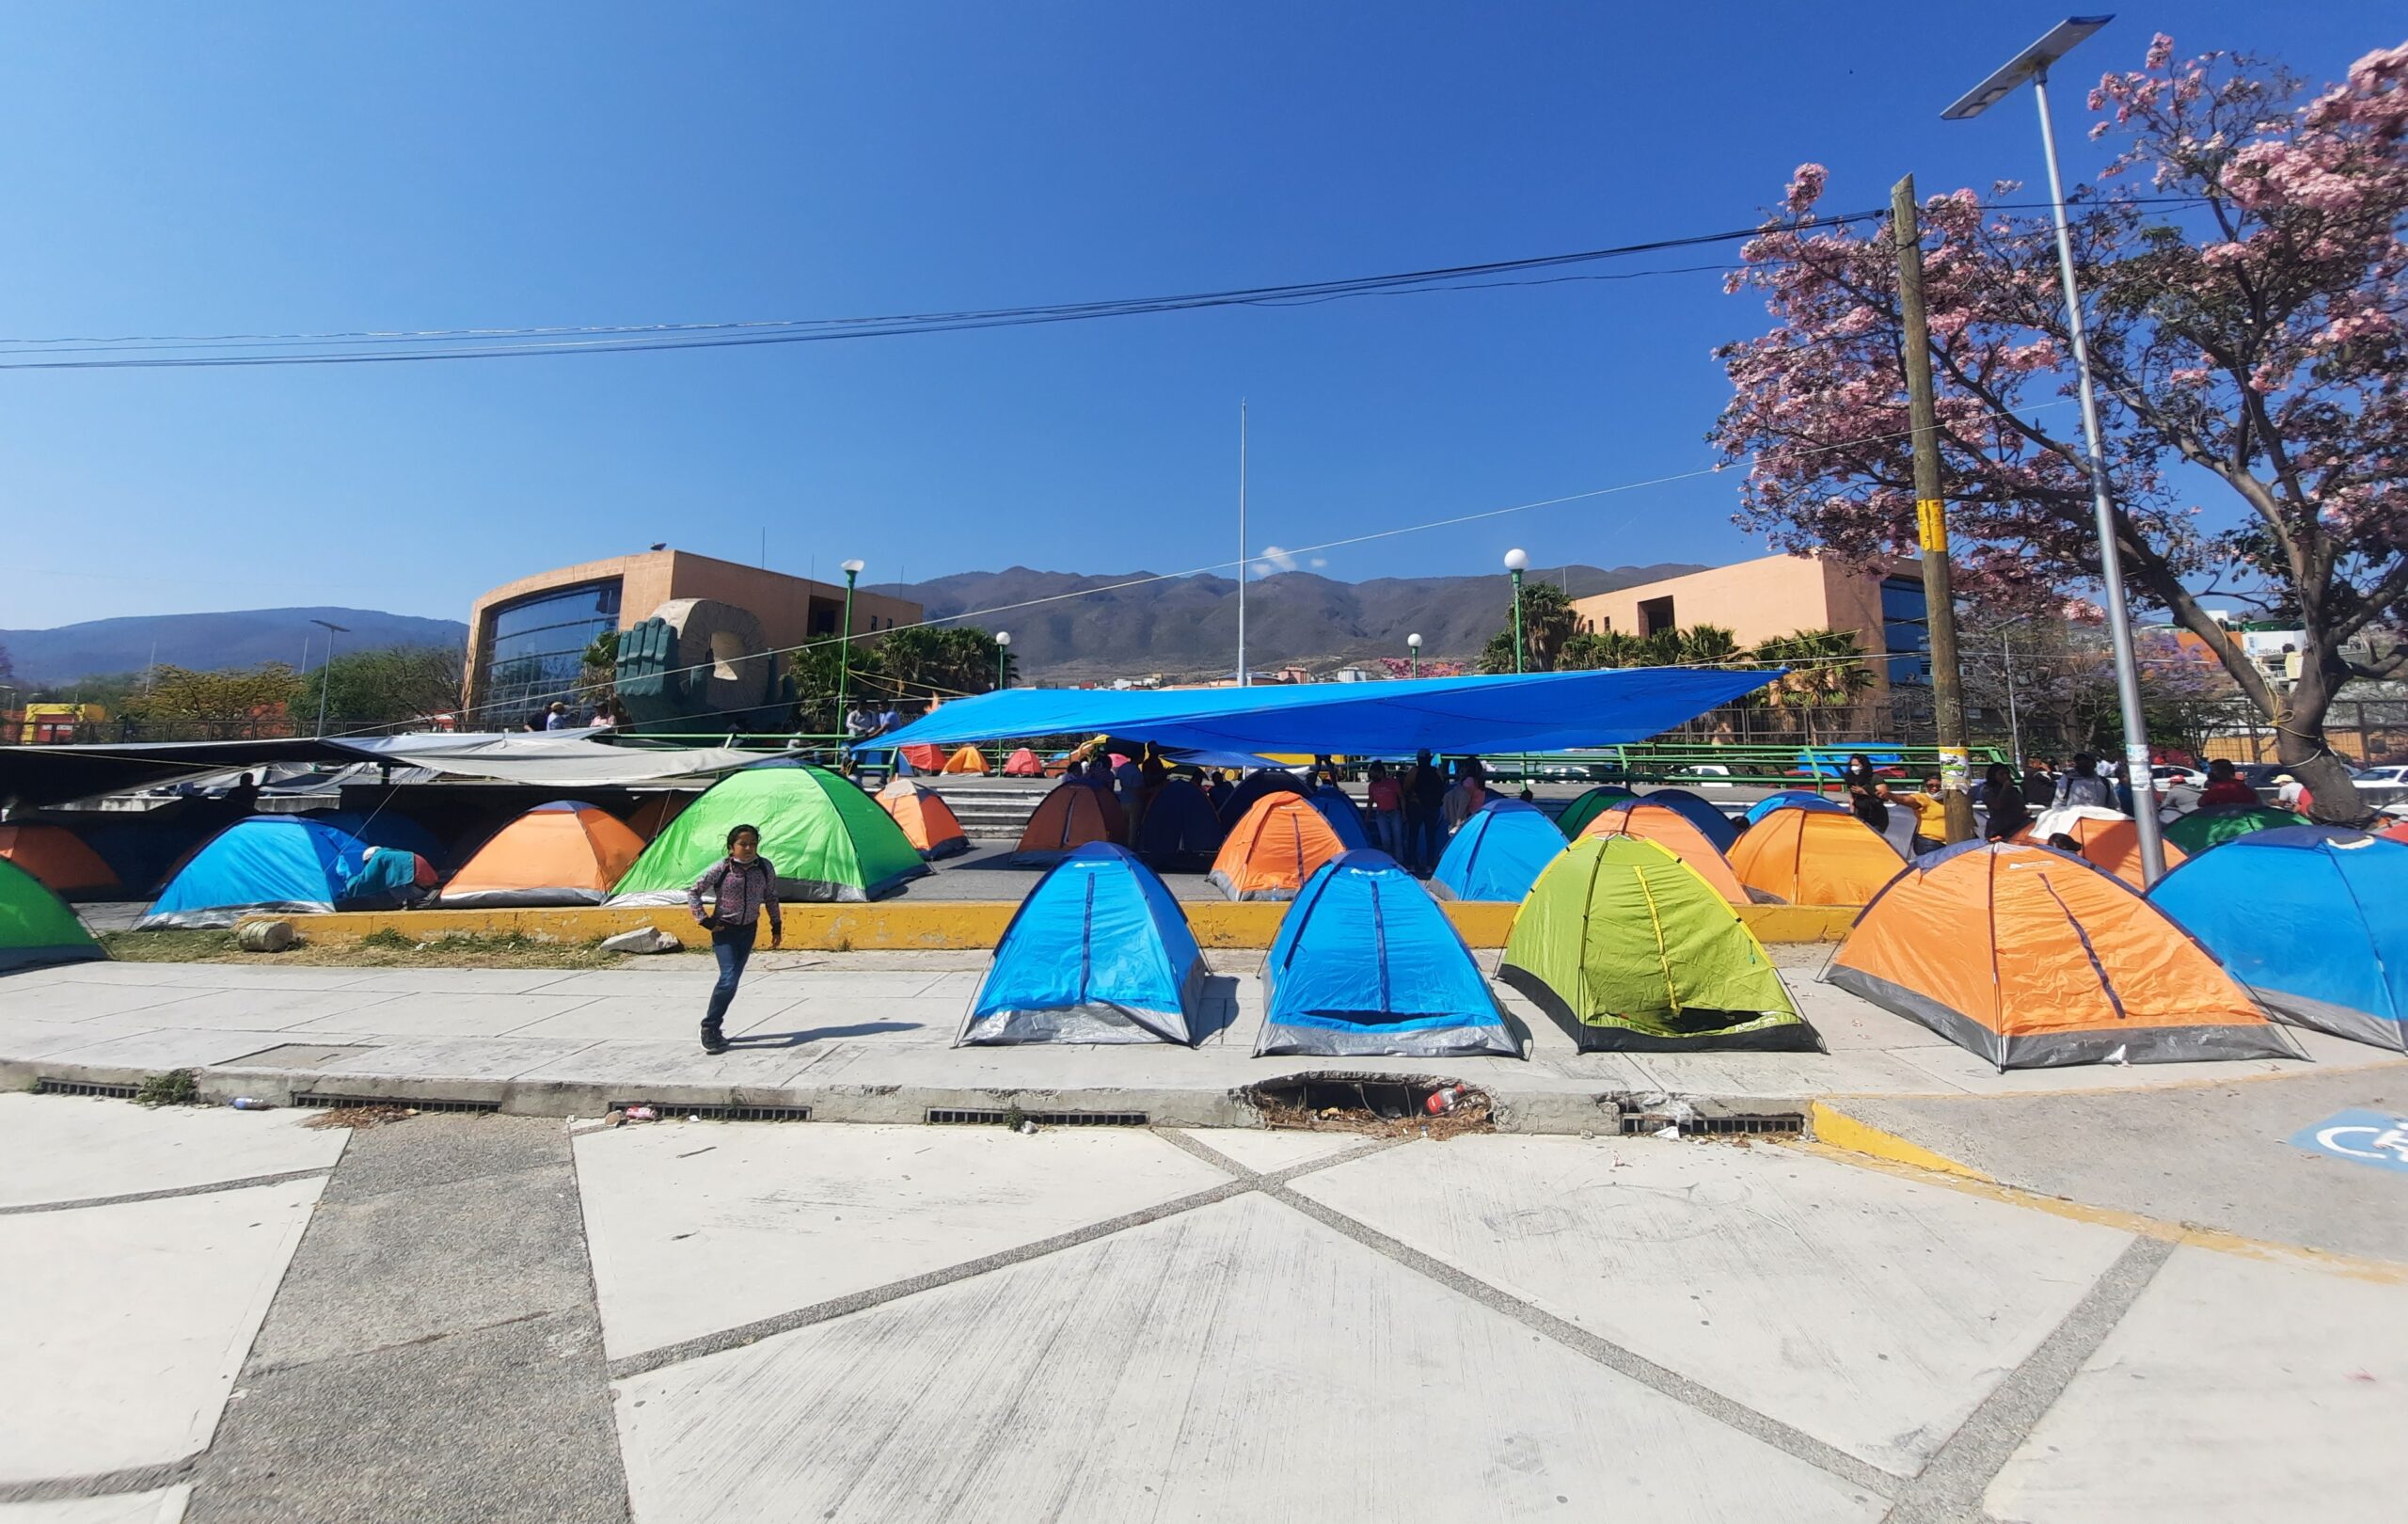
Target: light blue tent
1716 825
385 828
1098 952
1792 798
1342 815
268 864
2312 918
1367 964
1498 853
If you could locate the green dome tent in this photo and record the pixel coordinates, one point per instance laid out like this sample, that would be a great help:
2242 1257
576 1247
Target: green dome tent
827 840
2199 830
1628 948
36 925
1582 810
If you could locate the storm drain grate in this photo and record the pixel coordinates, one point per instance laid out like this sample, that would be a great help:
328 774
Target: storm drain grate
1758 1124
951 1116
771 1114
413 1101
58 1087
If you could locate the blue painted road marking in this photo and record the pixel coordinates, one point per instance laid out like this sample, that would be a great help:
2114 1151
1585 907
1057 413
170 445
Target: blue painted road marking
2360 1136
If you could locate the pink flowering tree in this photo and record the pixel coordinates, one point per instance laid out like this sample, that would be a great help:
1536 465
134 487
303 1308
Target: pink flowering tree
2246 286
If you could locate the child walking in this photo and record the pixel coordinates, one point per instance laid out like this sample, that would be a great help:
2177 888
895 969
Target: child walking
740 885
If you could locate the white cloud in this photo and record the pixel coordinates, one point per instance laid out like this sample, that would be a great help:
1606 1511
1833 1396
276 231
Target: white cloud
1273 556
1319 561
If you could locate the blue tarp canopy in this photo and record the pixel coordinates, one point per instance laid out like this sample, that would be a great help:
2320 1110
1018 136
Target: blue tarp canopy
1546 711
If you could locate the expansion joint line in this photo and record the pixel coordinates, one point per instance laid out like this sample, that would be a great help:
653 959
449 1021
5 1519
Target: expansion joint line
205 1189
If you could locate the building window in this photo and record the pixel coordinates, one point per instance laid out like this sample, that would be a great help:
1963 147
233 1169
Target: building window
1905 632
1655 617
535 649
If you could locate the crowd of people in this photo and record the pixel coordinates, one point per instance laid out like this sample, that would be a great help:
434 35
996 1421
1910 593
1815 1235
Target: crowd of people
2009 803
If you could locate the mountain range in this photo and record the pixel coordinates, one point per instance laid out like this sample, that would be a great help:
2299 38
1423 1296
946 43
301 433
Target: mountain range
1065 625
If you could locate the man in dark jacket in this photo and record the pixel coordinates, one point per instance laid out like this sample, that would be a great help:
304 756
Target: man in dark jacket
1425 813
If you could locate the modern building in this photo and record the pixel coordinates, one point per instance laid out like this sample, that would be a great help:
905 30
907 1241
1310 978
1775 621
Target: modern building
1774 595
527 639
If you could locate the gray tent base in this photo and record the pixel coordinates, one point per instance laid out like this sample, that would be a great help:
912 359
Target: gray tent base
1796 1036
1374 1037
1095 1022
2057 1050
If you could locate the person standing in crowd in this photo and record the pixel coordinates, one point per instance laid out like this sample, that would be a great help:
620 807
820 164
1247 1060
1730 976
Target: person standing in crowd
2225 786
556 718
242 799
2082 785
1388 812
2002 803
1931 816
1868 796
1468 797
740 886
2118 779
1221 789
2040 783
1425 809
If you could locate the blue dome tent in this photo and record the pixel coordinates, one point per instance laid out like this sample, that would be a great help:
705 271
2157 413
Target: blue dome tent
1342 815
1716 825
1498 853
1367 964
1793 799
2314 919
384 828
1179 828
284 863
1098 952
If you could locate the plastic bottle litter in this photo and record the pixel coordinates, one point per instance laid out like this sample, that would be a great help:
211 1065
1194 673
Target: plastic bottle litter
245 1103
1442 1102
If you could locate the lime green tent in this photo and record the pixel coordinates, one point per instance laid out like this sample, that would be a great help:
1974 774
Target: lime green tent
826 839
1626 947
1582 810
36 925
2199 830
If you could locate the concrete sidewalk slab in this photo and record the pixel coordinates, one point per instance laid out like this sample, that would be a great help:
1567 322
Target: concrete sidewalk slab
1265 1150
1871 1312
32 1037
642 1018
239 1008
2233 1389
131 1056
67 1148
163 1506
130 1321
453 1014
1237 1362
697 1227
85 1002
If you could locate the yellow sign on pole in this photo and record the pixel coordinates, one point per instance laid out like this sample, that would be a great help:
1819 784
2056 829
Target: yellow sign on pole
1931 525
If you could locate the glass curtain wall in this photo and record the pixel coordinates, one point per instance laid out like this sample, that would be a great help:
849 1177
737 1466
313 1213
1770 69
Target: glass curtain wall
534 650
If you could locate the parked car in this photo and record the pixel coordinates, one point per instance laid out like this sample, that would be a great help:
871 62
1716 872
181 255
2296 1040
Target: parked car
2168 774
1703 775
2389 772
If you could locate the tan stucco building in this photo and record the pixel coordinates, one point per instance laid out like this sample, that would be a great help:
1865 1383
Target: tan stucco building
1773 596
525 638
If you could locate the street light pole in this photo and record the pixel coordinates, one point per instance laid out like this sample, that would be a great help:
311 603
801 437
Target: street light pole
1002 657
1413 644
326 671
2014 729
1516 561
2032 64
845 662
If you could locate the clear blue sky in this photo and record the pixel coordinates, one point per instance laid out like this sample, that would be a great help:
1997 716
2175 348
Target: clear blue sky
230 167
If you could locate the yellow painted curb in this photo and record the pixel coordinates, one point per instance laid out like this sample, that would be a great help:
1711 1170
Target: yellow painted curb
1836 1129
2356 1268
954 923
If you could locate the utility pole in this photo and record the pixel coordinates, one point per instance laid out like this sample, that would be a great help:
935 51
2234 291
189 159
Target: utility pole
1931 521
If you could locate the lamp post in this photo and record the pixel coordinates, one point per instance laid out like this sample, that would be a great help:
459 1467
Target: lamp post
1413 644
2032 64
845 659
327 670
1002 657
1518 560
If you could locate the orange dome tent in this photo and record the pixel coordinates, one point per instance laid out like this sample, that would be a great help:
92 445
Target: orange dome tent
2032 958
57 858
927 820
1024 764
2108 839
1814 857
651 817
1273 849
1071 816
1676 834
566 852
968 759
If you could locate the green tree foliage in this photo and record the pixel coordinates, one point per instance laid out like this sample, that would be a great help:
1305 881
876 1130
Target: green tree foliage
387 685
237 702
1827 670
1548 625
910 668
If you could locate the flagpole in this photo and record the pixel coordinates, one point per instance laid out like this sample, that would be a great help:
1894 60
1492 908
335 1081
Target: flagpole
1242 551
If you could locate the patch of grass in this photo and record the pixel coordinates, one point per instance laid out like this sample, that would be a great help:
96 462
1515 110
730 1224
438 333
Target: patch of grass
173 1088
385 948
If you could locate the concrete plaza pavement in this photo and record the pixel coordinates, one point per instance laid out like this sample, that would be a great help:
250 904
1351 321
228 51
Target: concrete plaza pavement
866 1036
208 1314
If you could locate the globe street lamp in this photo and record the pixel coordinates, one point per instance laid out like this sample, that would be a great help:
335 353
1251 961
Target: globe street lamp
845 657
1518 560
2033 64
1003 656
1412 643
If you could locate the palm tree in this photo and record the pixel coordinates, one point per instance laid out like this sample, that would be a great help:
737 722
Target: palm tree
1826 669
